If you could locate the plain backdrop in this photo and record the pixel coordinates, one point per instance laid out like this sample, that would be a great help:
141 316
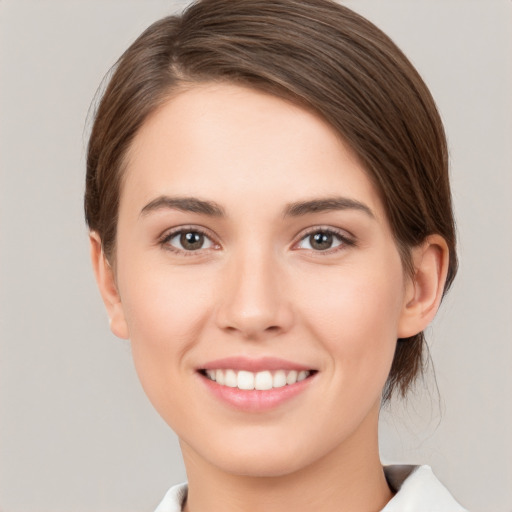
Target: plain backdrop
76 432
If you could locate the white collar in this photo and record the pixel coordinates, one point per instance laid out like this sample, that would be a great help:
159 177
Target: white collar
418 490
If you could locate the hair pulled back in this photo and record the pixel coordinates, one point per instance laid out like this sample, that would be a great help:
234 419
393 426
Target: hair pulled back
319 55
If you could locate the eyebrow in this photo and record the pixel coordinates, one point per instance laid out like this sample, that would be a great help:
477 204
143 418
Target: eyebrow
296 209
184 204
325 204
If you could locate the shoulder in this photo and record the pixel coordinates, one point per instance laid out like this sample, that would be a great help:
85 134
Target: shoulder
418 490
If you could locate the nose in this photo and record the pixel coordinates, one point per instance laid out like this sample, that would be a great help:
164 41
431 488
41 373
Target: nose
253 302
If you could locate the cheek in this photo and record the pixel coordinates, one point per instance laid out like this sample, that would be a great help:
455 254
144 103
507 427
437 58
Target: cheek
165 310
161 305
354 313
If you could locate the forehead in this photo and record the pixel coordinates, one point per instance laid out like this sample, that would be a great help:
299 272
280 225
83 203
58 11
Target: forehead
241 146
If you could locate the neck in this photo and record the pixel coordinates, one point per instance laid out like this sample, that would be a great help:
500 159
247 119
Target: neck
350 477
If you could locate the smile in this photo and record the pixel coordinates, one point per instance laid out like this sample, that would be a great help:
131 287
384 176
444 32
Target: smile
256 385
261 381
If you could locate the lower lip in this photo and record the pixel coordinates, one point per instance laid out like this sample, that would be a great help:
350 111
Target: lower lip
255 400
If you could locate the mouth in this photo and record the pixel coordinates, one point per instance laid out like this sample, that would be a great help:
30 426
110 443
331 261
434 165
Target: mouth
256 385
261 381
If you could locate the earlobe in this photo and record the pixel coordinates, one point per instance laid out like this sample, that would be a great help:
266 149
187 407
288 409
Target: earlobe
106 283
424 290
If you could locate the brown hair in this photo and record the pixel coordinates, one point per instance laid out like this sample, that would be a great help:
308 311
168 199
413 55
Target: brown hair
320 55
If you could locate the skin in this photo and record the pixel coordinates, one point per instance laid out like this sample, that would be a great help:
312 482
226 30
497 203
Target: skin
257 287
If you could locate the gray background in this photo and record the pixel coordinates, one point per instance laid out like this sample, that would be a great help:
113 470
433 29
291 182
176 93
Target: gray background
76 432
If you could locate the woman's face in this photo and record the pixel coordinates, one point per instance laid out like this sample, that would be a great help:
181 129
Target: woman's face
253 249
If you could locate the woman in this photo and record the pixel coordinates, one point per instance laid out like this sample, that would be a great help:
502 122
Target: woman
270 223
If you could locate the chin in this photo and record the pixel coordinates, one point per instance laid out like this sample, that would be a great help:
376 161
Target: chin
256 456
261 464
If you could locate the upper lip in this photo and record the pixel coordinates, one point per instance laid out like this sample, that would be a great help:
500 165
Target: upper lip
253 364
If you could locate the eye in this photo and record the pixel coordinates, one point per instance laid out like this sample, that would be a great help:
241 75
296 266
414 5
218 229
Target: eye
188 240
323 240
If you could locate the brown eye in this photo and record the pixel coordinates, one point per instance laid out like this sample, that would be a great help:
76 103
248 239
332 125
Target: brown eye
192 240
189 240
323 240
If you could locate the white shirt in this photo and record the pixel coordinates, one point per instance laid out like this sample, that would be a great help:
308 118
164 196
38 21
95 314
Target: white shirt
416 487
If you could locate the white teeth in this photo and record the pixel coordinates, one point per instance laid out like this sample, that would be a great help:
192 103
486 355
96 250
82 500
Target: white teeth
302 375
245 380
260 380
263 381
279 379
291 378
230 378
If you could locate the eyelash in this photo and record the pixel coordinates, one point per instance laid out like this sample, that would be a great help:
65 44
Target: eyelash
167 237
345 241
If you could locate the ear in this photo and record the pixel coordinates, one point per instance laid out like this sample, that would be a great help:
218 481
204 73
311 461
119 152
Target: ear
106 283
424 290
